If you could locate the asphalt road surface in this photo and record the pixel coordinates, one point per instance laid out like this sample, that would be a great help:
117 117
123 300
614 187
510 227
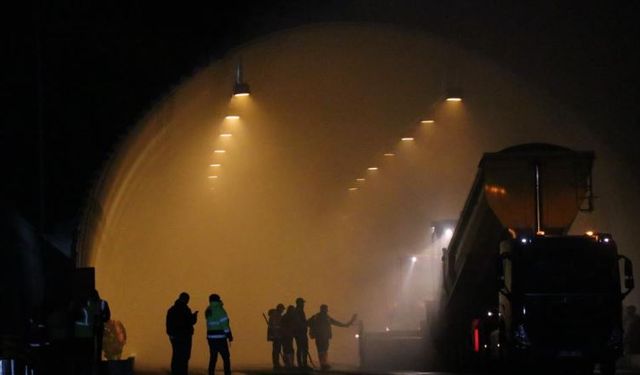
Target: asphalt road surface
341 372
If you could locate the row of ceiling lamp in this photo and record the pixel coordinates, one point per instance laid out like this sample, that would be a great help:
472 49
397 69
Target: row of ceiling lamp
240 89
452 95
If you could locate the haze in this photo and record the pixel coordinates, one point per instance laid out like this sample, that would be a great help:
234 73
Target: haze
279 220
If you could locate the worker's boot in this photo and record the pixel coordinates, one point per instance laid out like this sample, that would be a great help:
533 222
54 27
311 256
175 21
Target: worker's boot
304 365
323 357
288 360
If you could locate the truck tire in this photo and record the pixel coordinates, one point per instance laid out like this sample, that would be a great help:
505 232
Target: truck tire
608 367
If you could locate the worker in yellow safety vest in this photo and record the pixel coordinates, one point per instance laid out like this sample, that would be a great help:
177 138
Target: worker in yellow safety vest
218 332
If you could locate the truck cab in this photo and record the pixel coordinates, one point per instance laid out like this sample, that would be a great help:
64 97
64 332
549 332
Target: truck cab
560 299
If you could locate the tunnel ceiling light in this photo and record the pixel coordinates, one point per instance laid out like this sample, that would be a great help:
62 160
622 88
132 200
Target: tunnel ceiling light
360 179
414 259
389 154
454 94
226 135
353 188
372 168
240 87
232 117
219 151
215 165
427 121
407 139
213 177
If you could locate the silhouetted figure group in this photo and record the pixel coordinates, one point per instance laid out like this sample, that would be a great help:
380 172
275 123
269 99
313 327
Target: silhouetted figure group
293 326
180 321
284 328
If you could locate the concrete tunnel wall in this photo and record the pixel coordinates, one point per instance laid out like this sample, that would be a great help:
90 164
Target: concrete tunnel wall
279 222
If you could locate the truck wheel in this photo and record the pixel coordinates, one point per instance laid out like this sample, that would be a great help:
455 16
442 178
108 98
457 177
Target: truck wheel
608 367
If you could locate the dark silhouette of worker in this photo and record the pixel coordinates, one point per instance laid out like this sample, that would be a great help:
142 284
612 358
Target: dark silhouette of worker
300 330
320 330
631 321
179 324
102 315
286 329
90 313
218 334
274 334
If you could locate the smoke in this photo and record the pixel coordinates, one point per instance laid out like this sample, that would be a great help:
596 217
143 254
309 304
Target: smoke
278 221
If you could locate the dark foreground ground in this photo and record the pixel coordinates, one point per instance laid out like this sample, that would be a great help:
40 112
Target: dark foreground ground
338 372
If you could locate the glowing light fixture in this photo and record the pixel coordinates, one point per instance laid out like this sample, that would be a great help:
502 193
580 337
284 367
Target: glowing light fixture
589 233
212 177
215 165
389 154
406 139
353 188
356 336
427 121
414 259
240 88
448 232
226 135
454 95
219 151
360 179
372 168
387 329
232 117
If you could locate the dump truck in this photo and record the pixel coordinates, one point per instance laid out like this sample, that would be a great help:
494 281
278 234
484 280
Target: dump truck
518 290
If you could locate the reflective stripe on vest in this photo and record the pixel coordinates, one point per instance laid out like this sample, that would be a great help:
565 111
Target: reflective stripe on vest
216 324
83 327
216 336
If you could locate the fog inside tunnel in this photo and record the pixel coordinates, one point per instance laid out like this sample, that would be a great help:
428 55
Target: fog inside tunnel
293 207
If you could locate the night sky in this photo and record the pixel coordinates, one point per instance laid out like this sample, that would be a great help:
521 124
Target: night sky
96 69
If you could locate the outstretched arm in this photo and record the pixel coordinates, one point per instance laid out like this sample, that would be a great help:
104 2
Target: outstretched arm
340 324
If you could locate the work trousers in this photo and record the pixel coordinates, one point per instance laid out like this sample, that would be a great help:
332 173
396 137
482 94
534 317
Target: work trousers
287 348
302 350
84 360
181 352
219 346
322 344
276 349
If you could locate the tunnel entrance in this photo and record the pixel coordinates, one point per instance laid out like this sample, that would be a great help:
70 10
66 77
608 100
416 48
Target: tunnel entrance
317 185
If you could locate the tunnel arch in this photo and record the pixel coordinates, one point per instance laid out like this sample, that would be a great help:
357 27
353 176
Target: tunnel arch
327 102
